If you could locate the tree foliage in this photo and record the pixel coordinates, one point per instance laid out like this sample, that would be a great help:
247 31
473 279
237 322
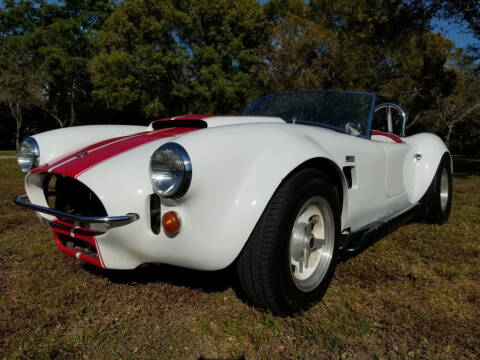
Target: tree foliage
57 38
20 83
179 56
87 61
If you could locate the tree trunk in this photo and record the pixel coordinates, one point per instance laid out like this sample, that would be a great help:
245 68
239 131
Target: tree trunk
52 114
16 110
468 112
73 114
17 134
415 119
449 133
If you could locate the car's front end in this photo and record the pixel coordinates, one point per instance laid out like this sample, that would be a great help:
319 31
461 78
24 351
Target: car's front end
99 199
172 194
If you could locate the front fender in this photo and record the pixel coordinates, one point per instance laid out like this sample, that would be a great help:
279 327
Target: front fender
235 173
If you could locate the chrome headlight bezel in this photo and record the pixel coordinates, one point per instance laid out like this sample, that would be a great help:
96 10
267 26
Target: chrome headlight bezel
170 171
28 154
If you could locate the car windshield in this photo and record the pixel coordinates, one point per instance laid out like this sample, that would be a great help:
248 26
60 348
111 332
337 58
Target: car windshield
345 111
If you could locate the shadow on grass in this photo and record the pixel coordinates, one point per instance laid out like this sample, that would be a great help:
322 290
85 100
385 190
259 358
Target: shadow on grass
208 281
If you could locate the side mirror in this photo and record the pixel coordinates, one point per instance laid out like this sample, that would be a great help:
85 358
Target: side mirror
403 114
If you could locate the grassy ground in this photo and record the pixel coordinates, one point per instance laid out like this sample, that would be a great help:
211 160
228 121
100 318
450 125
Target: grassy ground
7 152
414 294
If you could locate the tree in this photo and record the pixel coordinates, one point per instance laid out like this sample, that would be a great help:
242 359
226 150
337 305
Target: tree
65 46
298 52
462 105
176 57
59 37
142 59
20 83
420 74
381 46
221 39
139 63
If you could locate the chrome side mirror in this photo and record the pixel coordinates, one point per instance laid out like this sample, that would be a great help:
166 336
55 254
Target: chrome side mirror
403 114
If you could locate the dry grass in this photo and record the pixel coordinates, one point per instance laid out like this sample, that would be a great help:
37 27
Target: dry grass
7 152
414 294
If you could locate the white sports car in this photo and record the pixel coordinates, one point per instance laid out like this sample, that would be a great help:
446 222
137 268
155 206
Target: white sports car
277 191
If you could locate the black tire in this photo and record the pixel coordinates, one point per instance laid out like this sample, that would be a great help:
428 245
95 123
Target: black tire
437 210
264 267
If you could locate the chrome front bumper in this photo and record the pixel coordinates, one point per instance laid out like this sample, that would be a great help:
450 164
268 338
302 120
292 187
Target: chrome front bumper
100 224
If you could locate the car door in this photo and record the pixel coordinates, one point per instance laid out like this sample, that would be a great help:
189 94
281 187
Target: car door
388 131
395 155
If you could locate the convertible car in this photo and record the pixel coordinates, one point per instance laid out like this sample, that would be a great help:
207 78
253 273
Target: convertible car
278 192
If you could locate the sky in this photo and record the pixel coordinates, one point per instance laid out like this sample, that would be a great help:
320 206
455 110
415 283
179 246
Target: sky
455 32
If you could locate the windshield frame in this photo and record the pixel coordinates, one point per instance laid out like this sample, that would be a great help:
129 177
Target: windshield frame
368 129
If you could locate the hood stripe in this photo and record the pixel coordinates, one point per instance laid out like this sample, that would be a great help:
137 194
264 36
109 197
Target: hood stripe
71 156
81 161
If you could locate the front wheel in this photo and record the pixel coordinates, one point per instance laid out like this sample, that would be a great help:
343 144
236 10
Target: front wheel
289 259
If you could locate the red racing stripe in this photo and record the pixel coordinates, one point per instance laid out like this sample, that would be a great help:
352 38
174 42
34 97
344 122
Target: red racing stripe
75 164
47 166
63 228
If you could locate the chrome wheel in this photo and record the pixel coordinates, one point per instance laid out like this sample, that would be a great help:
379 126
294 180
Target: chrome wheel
444 189
312 243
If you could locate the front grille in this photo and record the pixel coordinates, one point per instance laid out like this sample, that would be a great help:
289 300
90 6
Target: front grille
78 245
71 196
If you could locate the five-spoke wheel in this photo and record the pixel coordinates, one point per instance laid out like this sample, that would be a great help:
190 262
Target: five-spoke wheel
311 243
289 260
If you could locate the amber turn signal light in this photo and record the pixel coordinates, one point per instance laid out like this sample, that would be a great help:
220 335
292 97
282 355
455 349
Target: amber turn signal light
171 223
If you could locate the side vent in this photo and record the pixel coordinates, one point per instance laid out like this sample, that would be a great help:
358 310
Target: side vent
347 171
155 216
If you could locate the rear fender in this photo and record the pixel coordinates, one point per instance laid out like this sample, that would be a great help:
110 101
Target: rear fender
429 149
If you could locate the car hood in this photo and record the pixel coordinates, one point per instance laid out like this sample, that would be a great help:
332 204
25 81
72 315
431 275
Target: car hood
84 159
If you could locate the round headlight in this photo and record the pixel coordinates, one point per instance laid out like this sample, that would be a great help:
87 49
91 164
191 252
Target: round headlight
170 171
28 154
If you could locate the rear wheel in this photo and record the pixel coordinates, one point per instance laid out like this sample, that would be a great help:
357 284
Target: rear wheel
289 260
438 200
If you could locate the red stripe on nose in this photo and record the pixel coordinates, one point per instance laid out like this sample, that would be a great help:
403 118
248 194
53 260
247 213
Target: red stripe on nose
85 159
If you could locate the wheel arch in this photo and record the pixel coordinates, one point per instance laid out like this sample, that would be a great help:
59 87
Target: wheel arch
327 167
332 171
